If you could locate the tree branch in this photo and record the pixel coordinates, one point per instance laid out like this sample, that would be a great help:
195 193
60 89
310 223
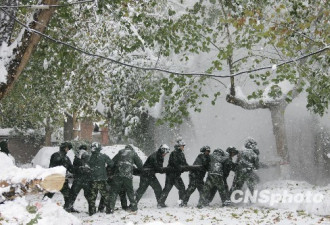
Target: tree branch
244 104
45 6
29 42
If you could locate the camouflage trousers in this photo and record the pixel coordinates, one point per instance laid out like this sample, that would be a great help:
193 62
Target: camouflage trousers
194 182
76 187
169 182
249 177
96 187
119 184
214 190
122 196
145 182
213 181
65 192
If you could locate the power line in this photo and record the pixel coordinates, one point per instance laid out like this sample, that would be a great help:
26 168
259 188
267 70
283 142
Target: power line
160 69
47 6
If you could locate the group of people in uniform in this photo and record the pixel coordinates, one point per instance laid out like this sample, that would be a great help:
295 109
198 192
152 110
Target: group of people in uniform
95 172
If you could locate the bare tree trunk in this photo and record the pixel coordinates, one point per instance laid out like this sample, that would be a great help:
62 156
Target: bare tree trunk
75 126
68 128
29 41
277 115
48 133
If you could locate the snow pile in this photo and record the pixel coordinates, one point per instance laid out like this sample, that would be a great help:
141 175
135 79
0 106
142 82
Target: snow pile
20 211
12 174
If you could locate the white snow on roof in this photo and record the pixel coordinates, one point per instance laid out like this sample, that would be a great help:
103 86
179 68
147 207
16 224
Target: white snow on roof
5 131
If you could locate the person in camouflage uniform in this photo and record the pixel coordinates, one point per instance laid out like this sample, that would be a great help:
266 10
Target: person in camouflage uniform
124 162
215 179
247 162
196 178
81 175
98 177
176 160
228 165
154 161
61 159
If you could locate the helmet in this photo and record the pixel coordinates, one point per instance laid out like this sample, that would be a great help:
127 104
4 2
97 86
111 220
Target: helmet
130 147
164 149
180 142
65 145
96 146
205 148
232 150
250 143
81 153
219 151
83 147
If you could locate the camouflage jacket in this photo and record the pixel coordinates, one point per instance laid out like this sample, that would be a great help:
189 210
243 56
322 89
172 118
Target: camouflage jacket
124 162
247 160
98 163
216 163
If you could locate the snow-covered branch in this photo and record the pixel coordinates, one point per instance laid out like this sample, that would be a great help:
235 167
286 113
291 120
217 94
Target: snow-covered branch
244 103
169 71
29 41
44 6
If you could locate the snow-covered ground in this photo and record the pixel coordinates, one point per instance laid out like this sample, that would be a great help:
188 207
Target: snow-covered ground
148 214
51 212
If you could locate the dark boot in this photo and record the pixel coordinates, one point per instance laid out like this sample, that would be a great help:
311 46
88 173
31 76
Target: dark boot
91 210
109 211
161 205
74 210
